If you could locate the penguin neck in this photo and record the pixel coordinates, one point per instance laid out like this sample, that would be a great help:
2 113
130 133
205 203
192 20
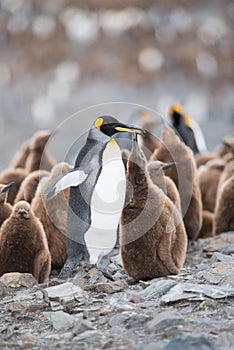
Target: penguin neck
97 136
176 119
137 177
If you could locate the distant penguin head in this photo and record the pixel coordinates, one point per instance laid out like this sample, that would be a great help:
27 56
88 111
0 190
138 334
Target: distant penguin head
22 210
109 126
175 112
4 191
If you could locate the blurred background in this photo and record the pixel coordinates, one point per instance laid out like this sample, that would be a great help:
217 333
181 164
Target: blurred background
57 57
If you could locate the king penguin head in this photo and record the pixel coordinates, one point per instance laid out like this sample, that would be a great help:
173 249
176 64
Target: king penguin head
176 112
109 126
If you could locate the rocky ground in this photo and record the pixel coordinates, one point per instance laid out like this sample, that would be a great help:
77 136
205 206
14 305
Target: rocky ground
193 310
58 57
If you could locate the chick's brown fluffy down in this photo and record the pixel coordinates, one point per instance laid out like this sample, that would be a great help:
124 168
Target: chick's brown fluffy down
159 250
23 246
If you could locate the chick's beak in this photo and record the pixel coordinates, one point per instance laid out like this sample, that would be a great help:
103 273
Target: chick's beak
7 187
168 165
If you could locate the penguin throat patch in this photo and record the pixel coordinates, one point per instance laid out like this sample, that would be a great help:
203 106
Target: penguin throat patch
187 120
98 123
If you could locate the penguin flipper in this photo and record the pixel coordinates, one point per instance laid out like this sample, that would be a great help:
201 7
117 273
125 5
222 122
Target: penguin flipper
70 178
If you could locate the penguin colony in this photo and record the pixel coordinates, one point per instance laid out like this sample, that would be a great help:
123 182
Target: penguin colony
50 213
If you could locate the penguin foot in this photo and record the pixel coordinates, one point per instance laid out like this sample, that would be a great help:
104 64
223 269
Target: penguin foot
70 265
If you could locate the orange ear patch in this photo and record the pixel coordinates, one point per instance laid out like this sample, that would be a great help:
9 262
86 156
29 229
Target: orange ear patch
98 123
187 120
175 108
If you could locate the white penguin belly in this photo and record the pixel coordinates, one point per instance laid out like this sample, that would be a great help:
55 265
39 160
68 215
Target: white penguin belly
106 204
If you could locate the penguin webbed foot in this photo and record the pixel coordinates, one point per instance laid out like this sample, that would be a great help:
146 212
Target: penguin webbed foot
70 265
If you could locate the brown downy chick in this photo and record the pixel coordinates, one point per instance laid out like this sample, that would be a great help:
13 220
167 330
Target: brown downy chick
53 215
38 157
157 170
13 175
222 151
224 210
229 158
203 158
21 156
172 149
209 176
207 225
149 141
224 148
5 208
152 235
23 244
29 186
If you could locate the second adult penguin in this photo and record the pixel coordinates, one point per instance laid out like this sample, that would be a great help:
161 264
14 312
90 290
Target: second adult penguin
97 194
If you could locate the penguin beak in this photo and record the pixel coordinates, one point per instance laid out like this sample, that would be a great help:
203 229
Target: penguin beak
135 140
131 129
168 165
7 187
22 212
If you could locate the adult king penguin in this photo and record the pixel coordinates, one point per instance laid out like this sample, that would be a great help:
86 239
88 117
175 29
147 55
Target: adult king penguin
97 194
188 129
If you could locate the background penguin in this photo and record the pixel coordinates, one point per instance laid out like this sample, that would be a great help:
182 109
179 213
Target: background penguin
207 225
157 170
149 142
187 128
5 208
224 210
203 158
229 158
226 147
21 156
13 175
97 194
209 176
152 234
38 158
28 187
53 215
172 149
23 244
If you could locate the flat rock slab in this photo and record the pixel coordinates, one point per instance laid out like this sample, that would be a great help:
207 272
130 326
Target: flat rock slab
222 243
64 292
189 291
17 280
189 343
158 288
60 320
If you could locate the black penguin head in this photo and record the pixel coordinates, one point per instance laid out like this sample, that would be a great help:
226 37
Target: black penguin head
176 112
109 126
